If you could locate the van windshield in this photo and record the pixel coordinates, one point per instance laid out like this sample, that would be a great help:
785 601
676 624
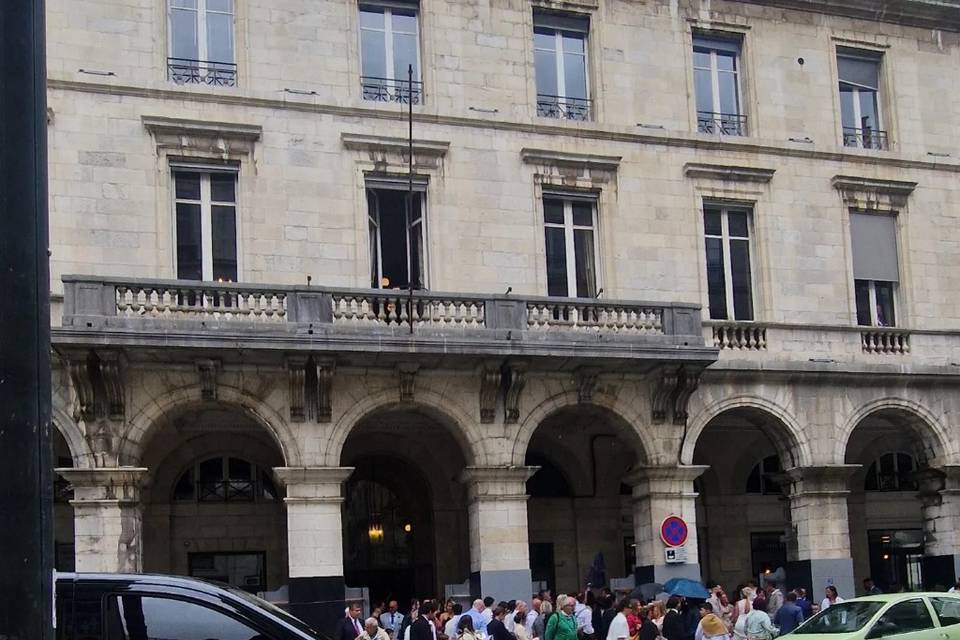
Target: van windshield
843 617
274 610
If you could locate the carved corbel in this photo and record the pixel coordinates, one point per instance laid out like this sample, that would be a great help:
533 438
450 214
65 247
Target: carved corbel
407 373
207 370
586 378
85 407
112 383
323 392
662 392
687 383
490 377
297 379
516 377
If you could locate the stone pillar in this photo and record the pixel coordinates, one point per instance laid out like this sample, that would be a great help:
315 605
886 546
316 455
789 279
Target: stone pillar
818 537
315 542
108 518
499 544
660 492
940 504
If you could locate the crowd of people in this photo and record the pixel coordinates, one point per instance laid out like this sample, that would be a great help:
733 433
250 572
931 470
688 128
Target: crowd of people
753 614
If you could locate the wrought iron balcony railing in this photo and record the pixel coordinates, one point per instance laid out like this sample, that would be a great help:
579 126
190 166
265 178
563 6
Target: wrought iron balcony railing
564 107
727 124
865 138
389 90
217 74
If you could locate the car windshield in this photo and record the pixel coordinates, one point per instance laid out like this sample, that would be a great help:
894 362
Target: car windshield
842 617
273 609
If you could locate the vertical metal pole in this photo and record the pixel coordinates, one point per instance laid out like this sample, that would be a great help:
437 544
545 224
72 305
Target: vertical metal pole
26 486
410 194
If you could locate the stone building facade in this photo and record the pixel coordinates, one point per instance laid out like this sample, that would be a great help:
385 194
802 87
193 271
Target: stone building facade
680 257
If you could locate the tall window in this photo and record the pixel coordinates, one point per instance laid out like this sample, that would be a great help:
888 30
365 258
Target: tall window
892 472
729 279
201 42
389 43
396 237
859 73
570 225
206 213
716 75
875 268
560 57
225 479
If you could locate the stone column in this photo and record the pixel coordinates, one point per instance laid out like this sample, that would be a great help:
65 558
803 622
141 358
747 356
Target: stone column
499 544
940 504
818 549
315 541
660 492
108 518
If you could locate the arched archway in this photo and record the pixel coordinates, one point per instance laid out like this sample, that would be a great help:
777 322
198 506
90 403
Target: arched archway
63 457
742 515
211 508
407 457
577 507
891 443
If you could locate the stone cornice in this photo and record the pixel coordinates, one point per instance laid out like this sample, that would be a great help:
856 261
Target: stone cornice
924 14
590 161
557 130
871 193
387 144
727 172
163 126
292 477
820 480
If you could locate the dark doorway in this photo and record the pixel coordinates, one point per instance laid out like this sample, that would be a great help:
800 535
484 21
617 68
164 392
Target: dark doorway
542 564
895 559
767 552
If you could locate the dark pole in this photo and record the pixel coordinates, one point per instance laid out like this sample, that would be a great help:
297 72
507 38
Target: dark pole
26 486
410 193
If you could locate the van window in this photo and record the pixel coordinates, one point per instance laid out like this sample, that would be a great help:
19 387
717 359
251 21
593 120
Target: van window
135 617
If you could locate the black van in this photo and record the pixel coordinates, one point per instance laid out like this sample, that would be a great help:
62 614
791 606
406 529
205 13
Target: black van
91 606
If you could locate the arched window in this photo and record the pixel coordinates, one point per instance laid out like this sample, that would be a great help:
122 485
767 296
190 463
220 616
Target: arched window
892 472
549 481
225 479
761 479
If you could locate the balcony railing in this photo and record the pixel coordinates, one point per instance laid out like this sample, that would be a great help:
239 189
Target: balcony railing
739 336
885 341
865 138
389 90
217 74
727 124
158 305
565 108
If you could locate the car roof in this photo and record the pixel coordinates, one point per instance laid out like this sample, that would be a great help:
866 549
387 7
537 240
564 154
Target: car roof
145 579
893 597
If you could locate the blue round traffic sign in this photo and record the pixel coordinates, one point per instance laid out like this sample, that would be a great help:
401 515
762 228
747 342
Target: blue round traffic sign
673 531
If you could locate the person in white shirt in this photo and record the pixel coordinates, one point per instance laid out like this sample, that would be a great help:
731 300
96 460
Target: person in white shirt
450 629
487 612
619 627
584 616
832 597
391 620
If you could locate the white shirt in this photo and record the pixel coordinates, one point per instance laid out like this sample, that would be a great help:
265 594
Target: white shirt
825 604
450 629
619 628
508 621
487 614
584 615
528 623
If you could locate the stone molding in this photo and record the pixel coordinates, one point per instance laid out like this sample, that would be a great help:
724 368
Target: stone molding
668 481
116 485
727 173
490 377
393 151
497 483
829 480
207 370
923 14
220 138
516 375
872 194
313 484
583 161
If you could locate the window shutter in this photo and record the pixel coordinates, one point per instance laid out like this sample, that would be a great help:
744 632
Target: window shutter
395 183
874 242
726 45
860 72
561 21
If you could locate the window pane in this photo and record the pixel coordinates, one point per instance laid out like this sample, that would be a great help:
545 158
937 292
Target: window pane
572 42
556 262
371 17
712 222
224 228
239 469
847 114
183 4
544 39
404 21
189 245
225 6
553 211
716 281
726 61
187 186
575 75
183 34
583 214
885 313
908 616
729 100
701 59
133 617
393 237
704 89
222 187
868 110
947 609
373 54
416 246
586 263
546 70
737 222
404 55
862 293
211 470
219 37
740 272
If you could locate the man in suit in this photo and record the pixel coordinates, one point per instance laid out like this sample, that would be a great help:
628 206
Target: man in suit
423 627
350 627
392 620
672 622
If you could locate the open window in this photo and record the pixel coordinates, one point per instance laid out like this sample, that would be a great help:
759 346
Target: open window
859 73
397 233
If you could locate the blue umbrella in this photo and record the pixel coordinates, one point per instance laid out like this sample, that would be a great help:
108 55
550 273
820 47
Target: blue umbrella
687 588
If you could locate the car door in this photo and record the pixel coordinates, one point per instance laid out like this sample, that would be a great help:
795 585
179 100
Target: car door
905 620
947 610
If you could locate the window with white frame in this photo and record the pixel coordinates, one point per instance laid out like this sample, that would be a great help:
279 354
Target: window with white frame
201 42
876 273
389 46
570 224
560 60
716 77
729 271
397 234
859 73
206 224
